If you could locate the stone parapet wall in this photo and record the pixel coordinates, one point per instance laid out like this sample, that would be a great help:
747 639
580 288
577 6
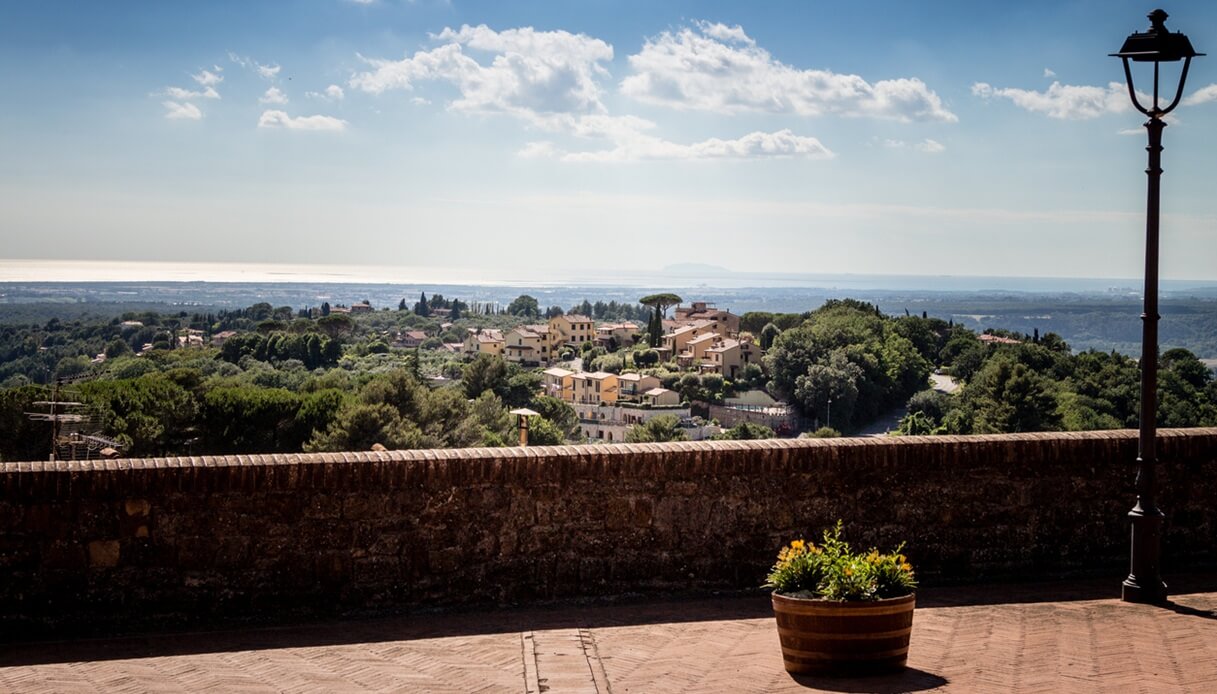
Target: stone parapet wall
141 542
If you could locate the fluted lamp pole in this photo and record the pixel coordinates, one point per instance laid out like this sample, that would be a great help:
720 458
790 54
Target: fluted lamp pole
1157 46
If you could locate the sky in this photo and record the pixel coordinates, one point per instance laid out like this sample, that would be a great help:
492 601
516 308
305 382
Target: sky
527 139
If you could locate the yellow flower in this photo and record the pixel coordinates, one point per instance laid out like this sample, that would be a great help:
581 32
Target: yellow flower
798 545
849 571
905 566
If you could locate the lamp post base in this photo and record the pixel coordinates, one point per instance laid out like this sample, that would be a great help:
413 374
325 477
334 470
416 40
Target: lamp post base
1151 594
1144 583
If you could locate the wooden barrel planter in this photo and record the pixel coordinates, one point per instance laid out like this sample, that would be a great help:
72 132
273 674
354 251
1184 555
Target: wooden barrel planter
827 636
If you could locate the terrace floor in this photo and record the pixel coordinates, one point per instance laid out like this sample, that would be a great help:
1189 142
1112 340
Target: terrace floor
1073 636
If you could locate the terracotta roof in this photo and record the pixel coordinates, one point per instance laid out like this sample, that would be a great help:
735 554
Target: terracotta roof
727 344
998 339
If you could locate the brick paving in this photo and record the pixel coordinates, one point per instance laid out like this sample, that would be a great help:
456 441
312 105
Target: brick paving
1046 637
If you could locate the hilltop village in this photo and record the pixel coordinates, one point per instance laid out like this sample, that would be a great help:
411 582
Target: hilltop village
443 373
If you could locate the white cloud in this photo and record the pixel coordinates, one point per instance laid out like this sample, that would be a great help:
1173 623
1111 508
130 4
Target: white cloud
268 71
183 94
632 145
551 81
930 146
280 119
181 111
420 101
539 150
1201 96
927 145
331 93
530 71
1065 101
716 68
207 78
1049 73
274 95
722 32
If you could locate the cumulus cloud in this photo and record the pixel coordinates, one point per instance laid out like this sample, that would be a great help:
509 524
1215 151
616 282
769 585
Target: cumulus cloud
184 94
930 146
331 93
528 72
280 119
1064 101
268 71
1201 96
1049 73
207 78
631 144
927 145
274 95
712 67
551 81
175 110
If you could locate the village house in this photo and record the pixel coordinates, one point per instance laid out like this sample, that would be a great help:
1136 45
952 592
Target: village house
611 423
361 307
593 388
527 345
556 382
570 330
695 350
633 385
727 323
619 334
409 339
728 357
218 339
483 341
677 341
661 397
189 337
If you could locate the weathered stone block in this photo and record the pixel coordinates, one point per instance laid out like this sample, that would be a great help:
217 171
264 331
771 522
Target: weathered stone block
103 553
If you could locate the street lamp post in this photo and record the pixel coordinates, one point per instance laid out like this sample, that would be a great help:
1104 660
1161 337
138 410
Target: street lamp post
1157 45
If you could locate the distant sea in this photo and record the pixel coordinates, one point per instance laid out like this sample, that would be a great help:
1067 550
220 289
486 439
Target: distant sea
675 277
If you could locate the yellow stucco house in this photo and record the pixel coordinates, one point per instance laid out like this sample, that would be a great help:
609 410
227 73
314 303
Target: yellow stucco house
527 345
571 329
596 388
483 341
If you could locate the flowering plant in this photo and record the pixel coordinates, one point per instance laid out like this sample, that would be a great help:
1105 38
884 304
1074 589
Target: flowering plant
833 571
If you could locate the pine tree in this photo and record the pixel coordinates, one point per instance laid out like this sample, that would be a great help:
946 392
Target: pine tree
401 305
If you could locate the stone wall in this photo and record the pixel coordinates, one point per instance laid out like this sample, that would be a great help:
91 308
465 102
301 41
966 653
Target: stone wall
133 543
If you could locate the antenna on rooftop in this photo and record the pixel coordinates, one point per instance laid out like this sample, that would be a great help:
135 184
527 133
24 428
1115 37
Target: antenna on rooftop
69 441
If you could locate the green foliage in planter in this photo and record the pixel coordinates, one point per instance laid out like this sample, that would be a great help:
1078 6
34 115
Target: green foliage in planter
833 571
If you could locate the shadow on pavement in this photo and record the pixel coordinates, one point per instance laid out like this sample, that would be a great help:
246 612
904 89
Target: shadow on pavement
599 615
907 680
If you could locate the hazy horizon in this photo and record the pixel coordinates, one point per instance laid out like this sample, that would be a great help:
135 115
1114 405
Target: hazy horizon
687 276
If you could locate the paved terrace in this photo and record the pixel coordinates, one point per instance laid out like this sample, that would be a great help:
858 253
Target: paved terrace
1073 636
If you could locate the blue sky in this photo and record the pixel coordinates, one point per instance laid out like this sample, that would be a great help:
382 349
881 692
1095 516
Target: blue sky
527 138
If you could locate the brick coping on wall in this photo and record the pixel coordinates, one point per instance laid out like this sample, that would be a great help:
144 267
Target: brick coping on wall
610 450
